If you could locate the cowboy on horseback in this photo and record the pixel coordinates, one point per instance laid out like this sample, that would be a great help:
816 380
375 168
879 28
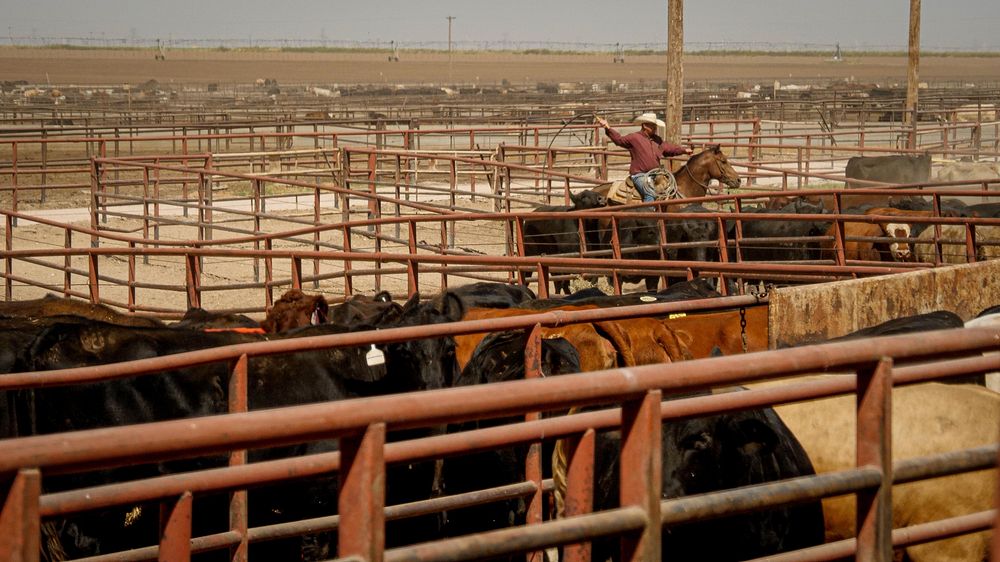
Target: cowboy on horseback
646 148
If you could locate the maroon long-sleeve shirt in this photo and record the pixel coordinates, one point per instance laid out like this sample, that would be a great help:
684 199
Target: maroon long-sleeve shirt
645 151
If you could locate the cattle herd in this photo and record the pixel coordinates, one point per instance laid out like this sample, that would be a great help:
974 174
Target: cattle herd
699 455
902 229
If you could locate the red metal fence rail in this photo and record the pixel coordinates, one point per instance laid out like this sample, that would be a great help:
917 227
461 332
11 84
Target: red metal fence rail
365 421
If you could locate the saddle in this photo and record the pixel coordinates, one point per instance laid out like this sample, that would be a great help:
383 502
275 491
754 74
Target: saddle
624 192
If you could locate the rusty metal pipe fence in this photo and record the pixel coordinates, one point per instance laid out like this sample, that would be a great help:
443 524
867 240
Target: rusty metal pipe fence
361 426
30 157
444 262
370 184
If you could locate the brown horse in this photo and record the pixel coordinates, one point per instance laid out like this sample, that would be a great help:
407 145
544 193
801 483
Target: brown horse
709 164
691 180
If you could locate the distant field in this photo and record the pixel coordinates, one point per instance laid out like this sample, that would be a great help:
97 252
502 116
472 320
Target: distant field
75 66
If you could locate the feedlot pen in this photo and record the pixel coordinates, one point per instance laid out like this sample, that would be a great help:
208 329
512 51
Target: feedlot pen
231 219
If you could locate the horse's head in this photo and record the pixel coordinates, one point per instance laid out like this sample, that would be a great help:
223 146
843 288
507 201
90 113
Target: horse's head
718 166
694 177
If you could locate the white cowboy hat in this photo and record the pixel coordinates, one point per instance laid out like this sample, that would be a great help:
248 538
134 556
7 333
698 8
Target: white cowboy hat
649 118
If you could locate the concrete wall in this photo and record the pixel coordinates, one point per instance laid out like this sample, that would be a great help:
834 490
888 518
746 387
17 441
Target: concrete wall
817 312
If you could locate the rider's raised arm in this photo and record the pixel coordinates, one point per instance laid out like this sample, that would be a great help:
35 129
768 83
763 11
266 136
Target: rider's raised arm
617 138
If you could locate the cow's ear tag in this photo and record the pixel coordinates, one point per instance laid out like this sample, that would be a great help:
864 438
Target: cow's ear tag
374 356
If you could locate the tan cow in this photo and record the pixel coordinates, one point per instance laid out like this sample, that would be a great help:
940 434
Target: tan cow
927 419
956 253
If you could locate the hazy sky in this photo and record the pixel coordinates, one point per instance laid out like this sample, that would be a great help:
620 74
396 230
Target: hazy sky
945 23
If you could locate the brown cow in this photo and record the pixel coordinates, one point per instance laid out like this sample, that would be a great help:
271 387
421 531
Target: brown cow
643 341
700 333
926 419
51 305
296 309
854 249
596 352
899 250
601 345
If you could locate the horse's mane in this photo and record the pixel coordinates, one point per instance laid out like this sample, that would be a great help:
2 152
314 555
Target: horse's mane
697 156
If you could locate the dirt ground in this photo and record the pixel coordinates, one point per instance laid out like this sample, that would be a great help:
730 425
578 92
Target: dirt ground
66 66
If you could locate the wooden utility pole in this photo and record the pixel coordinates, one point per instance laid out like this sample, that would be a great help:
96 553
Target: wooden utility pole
913 74
675 69
450 19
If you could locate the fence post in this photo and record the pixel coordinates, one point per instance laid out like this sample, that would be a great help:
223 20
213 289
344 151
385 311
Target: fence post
8 262
13 179
92 278
579 487
640 473
131 276
412 274
533 463
874 448
238 499
996 525
296 272
616 253
348 264
193 271
361 501
175 530
94 202
20 523
518 224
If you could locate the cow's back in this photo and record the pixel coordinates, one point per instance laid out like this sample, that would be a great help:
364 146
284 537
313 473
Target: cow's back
888 169
927 419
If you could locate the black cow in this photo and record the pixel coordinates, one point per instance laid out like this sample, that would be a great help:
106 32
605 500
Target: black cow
561 236
714 453
485 294
989 310
201 319
362 309
699 288
273 381
498 358
633 233
937 320
985 210
684 290
783 251
888 169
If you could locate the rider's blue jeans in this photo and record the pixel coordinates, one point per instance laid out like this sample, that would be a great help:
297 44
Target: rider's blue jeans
644 184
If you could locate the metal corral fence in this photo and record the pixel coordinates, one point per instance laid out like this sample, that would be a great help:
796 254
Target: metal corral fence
85 110
33 166
405 228
872 368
